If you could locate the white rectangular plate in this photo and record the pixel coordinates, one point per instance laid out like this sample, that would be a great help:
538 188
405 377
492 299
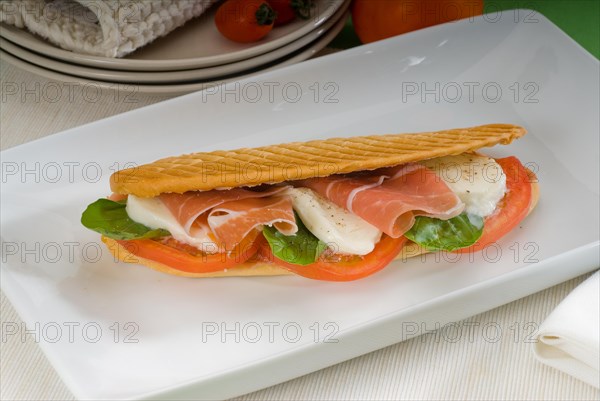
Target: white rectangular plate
199 338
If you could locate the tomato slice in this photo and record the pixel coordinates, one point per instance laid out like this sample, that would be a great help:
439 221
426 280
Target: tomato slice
344 268
180 258
513 208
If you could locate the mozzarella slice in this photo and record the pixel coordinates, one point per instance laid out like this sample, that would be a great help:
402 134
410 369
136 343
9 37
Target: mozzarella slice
152 213
477 180
341 230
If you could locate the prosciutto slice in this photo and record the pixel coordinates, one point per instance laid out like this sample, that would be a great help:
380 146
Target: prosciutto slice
232 221
390 198
231 214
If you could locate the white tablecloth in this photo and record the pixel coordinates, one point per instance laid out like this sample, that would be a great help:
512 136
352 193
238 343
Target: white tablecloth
437 366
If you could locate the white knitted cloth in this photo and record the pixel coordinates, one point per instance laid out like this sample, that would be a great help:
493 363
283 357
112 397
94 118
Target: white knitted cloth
110 28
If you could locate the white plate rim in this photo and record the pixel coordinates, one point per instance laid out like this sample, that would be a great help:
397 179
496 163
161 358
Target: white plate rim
25 40
177 89
172 77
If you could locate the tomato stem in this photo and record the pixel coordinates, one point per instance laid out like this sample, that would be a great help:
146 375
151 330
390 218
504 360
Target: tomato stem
302 7
265 15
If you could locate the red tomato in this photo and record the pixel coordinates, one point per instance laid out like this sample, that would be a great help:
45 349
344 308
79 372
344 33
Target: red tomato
245 21
117 197
288 10
380 19
344 268
188 259
511 210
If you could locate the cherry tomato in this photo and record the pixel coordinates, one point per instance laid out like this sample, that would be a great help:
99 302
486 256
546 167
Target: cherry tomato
188 259
344 268
288 10
245 21
512 209
380 19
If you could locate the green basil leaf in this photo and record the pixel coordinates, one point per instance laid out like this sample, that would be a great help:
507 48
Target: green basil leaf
110 219
446 235
303 248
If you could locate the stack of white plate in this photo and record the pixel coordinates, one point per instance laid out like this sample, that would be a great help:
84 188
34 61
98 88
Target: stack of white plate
190 58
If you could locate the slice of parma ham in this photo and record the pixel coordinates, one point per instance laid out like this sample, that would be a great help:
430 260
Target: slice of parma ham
230 215
390 198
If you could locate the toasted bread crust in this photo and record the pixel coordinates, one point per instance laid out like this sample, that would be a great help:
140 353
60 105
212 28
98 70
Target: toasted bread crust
258 268
301 160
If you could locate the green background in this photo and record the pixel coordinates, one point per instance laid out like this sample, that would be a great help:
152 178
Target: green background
580 19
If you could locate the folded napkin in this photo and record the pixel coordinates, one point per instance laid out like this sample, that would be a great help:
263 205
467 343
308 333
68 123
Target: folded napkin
109 28
569 339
